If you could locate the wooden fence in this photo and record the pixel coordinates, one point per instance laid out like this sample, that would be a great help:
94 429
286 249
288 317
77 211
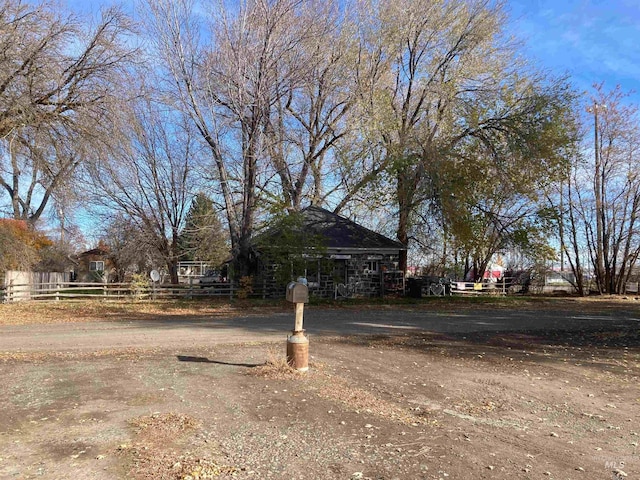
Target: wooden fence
478 288
76 290
60 290
18 282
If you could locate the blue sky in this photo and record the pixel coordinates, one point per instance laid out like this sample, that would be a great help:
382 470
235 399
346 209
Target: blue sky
591 40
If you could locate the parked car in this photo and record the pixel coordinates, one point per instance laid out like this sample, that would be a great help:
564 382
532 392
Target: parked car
210 278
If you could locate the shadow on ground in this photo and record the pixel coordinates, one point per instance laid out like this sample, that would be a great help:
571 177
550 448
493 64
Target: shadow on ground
186 358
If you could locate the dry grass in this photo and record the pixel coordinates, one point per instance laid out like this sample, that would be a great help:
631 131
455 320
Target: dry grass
95 310
168 424
47 312
155 455
276 366
333 387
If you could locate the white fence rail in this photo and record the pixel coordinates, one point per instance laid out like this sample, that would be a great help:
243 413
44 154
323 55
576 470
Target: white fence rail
475 288
76 290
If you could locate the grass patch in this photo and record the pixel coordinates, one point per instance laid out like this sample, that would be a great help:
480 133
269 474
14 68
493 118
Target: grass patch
430 301
105 309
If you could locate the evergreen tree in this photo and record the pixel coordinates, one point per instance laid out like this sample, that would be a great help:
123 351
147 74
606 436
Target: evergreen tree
203 238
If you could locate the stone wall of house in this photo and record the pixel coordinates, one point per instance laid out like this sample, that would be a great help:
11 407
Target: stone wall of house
325 287
365 281
354 275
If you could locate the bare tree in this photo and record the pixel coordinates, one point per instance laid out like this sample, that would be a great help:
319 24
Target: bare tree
129 247
58 82
568 205
307 123
603 193
249 92
150 180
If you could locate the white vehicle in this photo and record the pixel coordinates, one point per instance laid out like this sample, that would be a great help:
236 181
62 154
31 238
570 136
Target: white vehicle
210 278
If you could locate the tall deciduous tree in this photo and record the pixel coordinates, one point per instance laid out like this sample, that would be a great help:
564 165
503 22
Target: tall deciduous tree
59 80
444 78
601 195
265 91
150 180
308 122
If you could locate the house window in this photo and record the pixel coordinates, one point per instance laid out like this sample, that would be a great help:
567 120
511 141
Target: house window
371 266
96 266
312 274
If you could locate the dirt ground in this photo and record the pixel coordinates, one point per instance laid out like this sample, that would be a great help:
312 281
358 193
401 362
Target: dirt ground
492 405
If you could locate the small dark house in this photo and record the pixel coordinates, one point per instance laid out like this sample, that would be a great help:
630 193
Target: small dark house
338 257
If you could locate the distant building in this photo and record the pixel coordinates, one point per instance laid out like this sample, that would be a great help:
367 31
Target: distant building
559 282
94 266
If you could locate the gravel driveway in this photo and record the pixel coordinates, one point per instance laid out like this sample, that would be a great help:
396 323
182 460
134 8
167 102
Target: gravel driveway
171 330
418 392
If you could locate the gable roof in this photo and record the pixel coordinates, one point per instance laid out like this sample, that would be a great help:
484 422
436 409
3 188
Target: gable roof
95 251
343 234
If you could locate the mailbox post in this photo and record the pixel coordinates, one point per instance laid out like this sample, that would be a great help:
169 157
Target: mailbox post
297 342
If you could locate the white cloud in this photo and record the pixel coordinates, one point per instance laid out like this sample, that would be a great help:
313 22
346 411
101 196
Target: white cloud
594 41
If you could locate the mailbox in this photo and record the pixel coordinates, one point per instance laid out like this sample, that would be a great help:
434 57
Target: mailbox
297 293
298 343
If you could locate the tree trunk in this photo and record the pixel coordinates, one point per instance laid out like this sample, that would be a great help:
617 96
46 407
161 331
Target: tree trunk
576 264
404 198
599 266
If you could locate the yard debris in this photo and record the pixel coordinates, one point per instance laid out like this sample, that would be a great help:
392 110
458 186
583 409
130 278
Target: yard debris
154 455
192 468
166 423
